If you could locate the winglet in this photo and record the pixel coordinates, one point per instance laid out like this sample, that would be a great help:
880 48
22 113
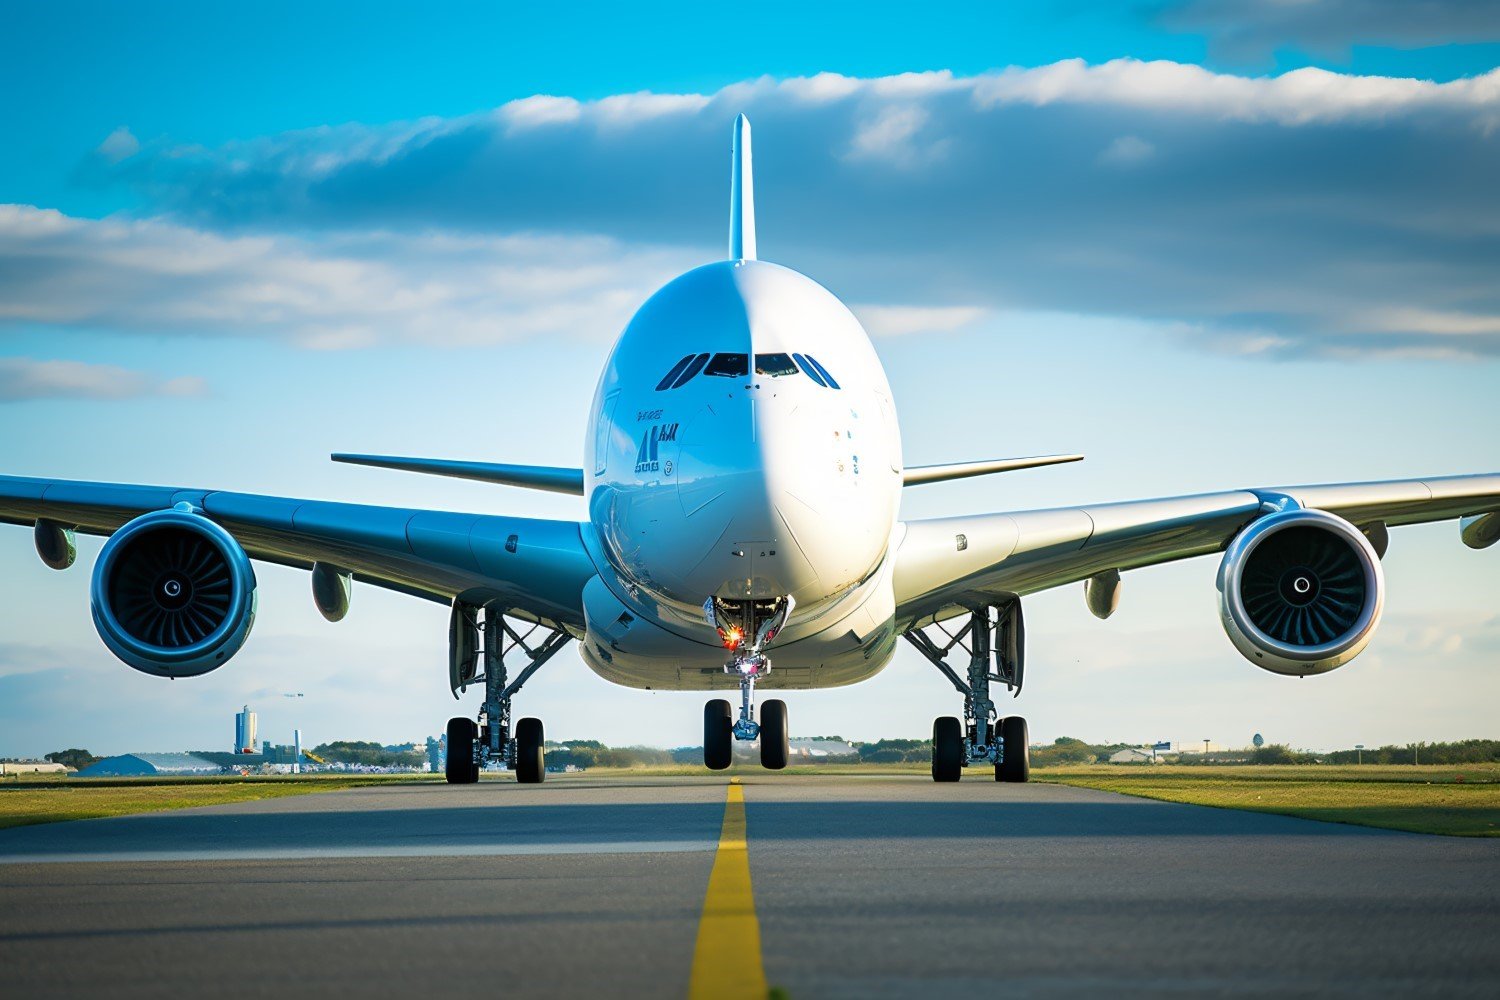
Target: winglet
742 196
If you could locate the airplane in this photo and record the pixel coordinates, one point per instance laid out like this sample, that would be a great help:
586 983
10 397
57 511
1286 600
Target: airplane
742 472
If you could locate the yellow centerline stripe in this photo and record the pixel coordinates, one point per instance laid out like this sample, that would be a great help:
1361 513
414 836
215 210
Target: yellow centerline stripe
726 959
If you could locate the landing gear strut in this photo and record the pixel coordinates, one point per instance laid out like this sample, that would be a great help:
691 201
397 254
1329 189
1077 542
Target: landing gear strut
982 736
736 620
471 745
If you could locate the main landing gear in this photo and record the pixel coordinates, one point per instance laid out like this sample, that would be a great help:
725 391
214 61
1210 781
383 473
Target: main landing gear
473 744
736 620
981 736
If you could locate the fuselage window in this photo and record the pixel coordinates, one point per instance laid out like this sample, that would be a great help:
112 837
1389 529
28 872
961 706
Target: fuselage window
671 376
690 371
774 365
729 366
822 371
809 370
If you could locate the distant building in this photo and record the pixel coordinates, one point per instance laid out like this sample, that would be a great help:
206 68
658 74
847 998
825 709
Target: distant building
437 755
244 731
30 767
130 765
822 749
198 762
1132 755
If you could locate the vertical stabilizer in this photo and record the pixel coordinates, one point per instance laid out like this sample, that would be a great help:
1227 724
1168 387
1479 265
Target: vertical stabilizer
742 196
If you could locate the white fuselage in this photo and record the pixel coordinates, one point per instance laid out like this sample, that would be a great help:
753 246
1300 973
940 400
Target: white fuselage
733 481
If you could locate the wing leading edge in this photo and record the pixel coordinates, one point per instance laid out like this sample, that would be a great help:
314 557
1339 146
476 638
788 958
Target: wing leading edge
533 569
946 566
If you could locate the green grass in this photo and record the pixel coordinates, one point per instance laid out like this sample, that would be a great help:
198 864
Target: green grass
1457 801
44 800
1461 801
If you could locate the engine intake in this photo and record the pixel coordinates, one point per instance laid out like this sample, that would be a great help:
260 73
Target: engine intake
173 594
1300 592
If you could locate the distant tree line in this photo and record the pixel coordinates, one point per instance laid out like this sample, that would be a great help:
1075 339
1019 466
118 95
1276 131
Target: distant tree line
1460 752
592 753
74 758
370 754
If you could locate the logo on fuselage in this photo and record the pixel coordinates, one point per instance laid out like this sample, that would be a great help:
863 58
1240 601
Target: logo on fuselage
647 458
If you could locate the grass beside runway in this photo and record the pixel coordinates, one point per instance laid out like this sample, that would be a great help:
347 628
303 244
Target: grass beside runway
43 800
1461 801
1456 801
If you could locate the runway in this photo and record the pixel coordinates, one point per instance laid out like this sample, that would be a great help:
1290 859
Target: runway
856 887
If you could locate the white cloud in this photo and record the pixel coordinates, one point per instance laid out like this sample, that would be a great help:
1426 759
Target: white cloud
543 109
337 292
896 321
1434 321
1127 151
893 134
643 106
30 378
1299 97
119 145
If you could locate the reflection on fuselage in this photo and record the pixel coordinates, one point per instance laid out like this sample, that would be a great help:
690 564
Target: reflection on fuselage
729 460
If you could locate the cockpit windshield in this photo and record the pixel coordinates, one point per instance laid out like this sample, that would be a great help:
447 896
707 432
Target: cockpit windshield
774 365
728 366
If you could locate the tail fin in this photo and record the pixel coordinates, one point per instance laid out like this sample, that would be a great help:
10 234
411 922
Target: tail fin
742 196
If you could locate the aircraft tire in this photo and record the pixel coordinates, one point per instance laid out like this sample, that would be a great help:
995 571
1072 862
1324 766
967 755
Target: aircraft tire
718 735
1016 766
775 746
531 758
947 749
460 768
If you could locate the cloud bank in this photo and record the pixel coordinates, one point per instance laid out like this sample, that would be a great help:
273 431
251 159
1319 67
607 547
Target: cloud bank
334 292
29 378
1307 213
1254 29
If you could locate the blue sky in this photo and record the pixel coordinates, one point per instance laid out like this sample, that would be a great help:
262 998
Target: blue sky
1210 243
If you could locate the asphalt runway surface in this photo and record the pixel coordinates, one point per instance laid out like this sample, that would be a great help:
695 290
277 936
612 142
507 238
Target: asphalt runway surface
862 887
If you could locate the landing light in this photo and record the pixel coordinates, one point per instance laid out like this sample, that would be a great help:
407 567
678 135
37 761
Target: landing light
732 637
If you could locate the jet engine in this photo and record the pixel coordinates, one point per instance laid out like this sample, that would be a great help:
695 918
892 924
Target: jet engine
173 594
1300 592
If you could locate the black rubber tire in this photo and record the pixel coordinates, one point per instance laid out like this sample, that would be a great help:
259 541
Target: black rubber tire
997 733
718 735
775 745
947 749
531 758
1017 763
460 767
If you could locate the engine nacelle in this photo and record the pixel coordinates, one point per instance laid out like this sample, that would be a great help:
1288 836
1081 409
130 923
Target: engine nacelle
1300 592
173 594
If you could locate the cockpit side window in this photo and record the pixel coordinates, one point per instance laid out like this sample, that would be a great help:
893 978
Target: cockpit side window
671 376
822 371
729 366
774 365
809 370
690 371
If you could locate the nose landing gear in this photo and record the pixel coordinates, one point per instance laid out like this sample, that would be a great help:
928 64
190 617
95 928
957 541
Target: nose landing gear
735 620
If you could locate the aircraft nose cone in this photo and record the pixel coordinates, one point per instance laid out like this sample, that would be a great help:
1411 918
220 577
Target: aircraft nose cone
731 500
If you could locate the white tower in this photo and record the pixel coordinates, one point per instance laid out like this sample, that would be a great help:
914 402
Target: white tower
244 731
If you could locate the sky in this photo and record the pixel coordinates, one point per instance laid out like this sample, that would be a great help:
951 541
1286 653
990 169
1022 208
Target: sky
1208 243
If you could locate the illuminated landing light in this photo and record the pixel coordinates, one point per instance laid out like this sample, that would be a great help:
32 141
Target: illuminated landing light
732 637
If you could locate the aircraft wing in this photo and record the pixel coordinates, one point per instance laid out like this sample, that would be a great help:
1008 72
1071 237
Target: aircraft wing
535 569
946 566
